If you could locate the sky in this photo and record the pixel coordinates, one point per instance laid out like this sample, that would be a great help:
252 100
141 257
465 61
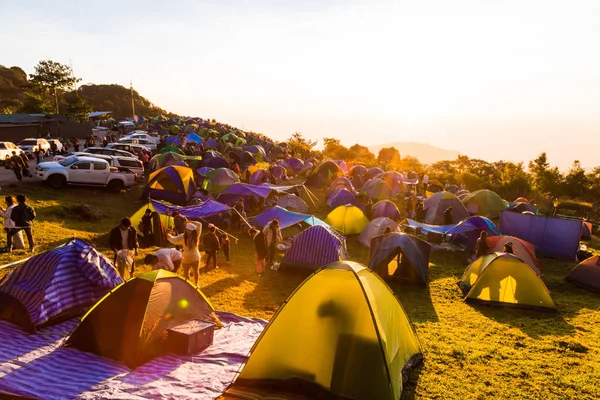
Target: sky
493 80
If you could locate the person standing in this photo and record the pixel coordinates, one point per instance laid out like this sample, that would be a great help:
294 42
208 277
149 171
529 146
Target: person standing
22 216
189 241
420 212
260 250
124 237
211 246
448 219
481 247
225 245
146 228
16 165
272 237
9 224
144 158
167 259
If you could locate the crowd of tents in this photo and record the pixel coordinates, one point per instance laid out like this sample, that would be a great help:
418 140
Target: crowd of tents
355 340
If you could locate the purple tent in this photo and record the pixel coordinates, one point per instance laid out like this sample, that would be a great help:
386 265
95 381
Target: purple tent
358 170
243 191
552 237
342 165
386 208
258 177
313 248
373 172
295 164
341 197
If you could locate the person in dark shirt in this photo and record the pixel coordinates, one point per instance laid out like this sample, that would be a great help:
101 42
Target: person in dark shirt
211 246
123 237
17 165
420 212
260 250
448 220
225 245
482 248
146 228
22 215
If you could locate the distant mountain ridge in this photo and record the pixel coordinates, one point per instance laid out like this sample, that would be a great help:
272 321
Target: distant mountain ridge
424 152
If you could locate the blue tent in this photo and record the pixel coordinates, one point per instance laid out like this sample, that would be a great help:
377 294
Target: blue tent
412 253
465 232
173 140
57 285
313 248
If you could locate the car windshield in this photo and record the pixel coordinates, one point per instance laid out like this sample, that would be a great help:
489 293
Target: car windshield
28 142
67 161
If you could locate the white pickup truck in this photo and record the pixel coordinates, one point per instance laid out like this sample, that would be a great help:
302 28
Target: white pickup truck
86 171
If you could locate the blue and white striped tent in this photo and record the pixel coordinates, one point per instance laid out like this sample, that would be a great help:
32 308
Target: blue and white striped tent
57 285
313 248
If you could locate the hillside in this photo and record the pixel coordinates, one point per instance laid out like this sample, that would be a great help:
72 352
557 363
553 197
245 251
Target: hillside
15 89
117 98
426 153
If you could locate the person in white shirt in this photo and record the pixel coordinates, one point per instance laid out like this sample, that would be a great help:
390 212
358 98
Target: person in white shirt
167 259
9 224
189 240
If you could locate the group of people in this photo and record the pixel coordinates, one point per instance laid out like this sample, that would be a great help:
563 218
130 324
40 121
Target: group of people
186 236
18 216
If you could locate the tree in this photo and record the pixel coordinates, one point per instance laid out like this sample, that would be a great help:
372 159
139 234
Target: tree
576 183
300 144
35 104
76 108
334 149
388 155
545 179
50 77
360 153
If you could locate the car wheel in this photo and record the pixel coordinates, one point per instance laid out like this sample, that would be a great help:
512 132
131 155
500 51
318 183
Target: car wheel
57 181
115 186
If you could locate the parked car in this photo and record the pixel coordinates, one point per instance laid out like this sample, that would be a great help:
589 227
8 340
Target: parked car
148 144
131 148
141 135
59 145
86 171
6 149
32 146
108 152
124 164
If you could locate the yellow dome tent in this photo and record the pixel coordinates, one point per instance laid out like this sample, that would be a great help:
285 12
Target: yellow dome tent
355 341
137 217
505 279
347 219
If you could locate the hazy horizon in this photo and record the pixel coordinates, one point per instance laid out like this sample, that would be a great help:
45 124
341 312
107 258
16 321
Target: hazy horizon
494 81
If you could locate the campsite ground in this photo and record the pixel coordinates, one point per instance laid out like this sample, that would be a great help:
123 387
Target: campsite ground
470 351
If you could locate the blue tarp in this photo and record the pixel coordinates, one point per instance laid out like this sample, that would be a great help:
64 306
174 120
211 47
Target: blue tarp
552 237
286 218
192 137
206 209
243 190
465 232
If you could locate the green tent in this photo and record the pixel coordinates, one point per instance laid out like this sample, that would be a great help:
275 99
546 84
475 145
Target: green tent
130 323
171 149
341 334
485 203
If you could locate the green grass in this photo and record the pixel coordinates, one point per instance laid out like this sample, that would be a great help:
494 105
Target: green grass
470 351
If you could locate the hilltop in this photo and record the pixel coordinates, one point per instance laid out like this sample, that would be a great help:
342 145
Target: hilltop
18 95
424 152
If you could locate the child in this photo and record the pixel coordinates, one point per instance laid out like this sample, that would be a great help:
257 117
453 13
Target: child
211 246
225 245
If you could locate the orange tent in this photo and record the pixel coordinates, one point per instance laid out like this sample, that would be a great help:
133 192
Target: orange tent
521 248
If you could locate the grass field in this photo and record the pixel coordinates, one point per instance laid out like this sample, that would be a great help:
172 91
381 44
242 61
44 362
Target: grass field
473 352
